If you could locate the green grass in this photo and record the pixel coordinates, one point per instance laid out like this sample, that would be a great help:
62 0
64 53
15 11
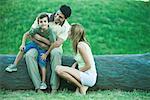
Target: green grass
69 95
112 26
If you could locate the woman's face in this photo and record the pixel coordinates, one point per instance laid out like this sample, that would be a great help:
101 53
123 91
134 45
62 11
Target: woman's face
69 33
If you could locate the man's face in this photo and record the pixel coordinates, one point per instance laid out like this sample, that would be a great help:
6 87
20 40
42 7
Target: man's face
43 23
59 18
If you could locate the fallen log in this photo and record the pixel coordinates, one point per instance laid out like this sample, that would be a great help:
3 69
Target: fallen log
125 72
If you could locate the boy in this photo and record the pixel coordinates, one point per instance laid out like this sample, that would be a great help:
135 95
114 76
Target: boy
49 37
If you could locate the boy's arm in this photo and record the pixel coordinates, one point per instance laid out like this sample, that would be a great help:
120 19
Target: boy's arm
25 36
44 56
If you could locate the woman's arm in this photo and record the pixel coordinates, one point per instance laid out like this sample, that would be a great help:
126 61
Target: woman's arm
74 65
84 54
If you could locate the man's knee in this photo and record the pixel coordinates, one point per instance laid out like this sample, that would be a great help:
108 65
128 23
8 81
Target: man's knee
55 52
31 53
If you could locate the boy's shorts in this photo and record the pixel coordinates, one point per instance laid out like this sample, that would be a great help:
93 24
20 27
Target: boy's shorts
41 51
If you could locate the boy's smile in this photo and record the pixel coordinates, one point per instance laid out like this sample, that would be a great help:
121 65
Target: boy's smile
43 23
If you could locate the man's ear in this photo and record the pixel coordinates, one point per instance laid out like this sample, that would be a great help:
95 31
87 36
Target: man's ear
38 21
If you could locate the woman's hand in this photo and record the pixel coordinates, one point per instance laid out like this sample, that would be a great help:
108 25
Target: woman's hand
74 65
44 56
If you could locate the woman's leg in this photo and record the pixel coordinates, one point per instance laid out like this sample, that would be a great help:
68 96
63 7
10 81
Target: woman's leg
72 75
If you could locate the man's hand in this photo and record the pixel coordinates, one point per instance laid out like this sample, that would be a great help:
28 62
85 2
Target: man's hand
44 56
58 42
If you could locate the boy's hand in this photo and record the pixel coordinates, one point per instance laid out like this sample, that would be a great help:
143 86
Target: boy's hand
44 56
22 47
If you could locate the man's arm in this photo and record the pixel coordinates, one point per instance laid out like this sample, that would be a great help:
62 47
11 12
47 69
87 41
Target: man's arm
42 39
40 43
58 42
44 56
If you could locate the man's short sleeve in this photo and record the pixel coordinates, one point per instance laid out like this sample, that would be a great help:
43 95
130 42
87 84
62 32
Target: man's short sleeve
35 24
52 37
64 32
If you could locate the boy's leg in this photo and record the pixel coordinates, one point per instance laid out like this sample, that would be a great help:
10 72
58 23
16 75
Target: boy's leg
13 67
43 71
42 64
43 83
55 58
32 66
19 57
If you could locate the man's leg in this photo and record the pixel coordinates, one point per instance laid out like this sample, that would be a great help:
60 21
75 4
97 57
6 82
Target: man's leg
32 66
55 57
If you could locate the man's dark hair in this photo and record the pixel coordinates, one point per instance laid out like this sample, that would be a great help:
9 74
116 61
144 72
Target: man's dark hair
42 15
66 10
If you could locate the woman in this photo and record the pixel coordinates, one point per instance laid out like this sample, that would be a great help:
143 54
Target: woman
85 76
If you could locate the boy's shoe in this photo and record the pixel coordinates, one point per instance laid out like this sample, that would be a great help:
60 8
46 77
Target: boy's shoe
11 68
43 86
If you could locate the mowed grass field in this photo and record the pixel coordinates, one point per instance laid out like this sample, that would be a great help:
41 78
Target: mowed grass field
69 95
112 27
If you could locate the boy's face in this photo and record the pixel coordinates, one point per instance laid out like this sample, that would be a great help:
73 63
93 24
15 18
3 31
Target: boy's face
43 23
59 18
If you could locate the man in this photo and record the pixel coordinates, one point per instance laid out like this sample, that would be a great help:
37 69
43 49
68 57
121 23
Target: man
60 17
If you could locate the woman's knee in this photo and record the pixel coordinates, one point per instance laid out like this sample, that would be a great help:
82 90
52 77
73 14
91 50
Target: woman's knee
58 69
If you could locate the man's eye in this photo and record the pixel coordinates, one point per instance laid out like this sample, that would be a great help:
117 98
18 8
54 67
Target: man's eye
60 17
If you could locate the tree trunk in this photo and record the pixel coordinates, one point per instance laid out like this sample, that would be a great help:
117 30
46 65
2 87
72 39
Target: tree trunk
125 72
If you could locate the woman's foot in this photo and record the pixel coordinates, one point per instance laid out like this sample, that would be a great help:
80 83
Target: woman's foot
77 91
83 89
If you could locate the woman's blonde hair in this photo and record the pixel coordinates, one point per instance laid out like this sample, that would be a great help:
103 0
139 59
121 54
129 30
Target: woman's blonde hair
77 35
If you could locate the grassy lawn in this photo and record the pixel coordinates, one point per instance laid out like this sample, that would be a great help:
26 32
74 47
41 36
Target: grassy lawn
69 95
112 27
